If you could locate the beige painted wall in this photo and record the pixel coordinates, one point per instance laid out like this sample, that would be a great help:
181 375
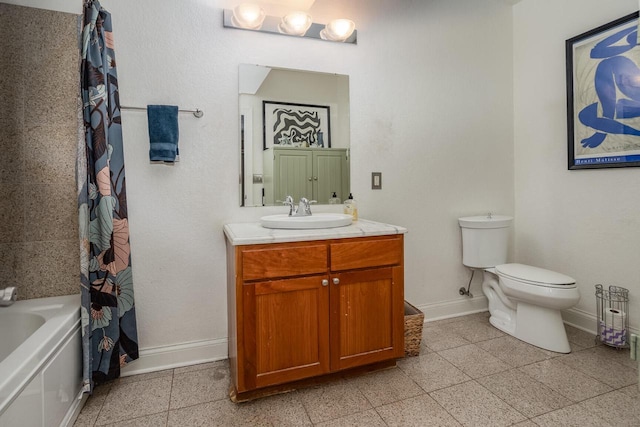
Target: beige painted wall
38 92
583 223
431 108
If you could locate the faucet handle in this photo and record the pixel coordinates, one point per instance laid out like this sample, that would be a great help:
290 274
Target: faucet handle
305 205
288 201
8 296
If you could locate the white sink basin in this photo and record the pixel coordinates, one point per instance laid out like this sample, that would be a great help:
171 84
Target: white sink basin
317 220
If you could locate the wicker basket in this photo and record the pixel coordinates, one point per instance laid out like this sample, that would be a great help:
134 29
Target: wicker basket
413 320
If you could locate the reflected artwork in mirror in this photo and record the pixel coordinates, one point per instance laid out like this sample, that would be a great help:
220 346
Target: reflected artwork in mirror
294 135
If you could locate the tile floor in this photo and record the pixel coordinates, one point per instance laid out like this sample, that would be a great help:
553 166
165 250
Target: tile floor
468 373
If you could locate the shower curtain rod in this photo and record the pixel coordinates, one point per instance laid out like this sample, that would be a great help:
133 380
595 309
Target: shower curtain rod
197 112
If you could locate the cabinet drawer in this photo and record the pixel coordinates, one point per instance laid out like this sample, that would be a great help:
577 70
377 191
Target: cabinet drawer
366 253
280 261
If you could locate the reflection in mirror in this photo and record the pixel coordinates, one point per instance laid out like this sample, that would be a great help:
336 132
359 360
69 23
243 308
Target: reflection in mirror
294 135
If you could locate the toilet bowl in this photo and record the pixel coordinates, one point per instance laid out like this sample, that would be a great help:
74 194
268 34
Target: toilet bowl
524 301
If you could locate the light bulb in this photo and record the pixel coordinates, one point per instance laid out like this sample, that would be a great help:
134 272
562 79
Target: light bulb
295 23
338 30
248 15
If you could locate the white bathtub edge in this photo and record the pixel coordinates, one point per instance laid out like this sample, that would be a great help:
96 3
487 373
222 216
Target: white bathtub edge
20 367
75 409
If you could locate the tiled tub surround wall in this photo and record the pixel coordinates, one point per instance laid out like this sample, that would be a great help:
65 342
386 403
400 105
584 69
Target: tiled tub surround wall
38 93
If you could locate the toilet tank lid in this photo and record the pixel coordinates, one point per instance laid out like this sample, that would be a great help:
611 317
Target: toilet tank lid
485 221
528 273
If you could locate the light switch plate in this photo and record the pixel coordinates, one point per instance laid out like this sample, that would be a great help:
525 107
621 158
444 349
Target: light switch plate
376 180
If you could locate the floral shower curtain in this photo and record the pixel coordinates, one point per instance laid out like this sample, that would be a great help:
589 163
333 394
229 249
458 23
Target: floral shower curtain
109 324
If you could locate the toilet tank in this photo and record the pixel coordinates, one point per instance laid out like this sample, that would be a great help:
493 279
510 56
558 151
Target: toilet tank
485 240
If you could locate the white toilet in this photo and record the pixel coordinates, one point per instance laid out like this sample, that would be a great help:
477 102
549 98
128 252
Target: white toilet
524 301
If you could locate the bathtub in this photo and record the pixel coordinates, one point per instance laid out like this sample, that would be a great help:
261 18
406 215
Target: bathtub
40 362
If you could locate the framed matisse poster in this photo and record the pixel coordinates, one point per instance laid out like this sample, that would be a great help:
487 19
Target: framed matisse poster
603 96
296 125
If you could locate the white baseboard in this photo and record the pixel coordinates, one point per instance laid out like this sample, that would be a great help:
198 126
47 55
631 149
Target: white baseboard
580 319
455 308
186 354
585 320
174 356
577 318
177 355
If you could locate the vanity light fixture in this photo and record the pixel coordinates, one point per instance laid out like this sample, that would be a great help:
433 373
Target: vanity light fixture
338 30
248 16
295 23
251 16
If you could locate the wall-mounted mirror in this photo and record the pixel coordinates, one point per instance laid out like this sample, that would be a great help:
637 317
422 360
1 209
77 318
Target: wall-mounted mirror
294 135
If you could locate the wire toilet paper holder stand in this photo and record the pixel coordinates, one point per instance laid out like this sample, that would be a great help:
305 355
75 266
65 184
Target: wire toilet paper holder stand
613 316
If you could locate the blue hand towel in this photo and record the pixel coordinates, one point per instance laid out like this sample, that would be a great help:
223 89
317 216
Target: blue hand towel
163 132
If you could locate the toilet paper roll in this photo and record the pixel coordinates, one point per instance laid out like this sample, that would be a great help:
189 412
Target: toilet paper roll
613 327
614 318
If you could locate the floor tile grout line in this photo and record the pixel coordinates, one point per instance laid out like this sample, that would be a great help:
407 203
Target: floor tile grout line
203 403
95 422
571 401
133 418
306 411
574 402
173 376
112 385
445 409
397 400
502 400
591 376
380 415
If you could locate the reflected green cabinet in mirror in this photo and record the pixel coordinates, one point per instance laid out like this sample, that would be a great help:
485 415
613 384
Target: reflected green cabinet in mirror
314 173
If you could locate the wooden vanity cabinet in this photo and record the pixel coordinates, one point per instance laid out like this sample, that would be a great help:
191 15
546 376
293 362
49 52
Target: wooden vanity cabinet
304 309
367 304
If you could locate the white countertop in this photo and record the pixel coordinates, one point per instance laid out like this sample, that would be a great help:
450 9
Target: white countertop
251 233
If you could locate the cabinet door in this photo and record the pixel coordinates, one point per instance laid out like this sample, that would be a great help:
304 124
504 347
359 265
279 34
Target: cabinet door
367 317
293 174
286 330
330 174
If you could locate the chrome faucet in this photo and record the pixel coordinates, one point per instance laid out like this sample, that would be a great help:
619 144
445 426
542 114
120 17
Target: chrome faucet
304 207
8 296
288 201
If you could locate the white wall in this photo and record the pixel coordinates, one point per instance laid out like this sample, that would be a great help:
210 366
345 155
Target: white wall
584 223
431 108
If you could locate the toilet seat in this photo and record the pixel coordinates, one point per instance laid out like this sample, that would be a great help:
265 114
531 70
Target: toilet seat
535 276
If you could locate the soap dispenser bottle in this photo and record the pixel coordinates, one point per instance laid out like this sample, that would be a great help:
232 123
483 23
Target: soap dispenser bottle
334 199
351 207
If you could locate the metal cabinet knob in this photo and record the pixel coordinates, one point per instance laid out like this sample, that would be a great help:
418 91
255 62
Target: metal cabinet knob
325 282
336 281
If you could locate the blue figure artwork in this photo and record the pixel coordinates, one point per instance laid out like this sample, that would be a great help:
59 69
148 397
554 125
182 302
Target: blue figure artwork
615 76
